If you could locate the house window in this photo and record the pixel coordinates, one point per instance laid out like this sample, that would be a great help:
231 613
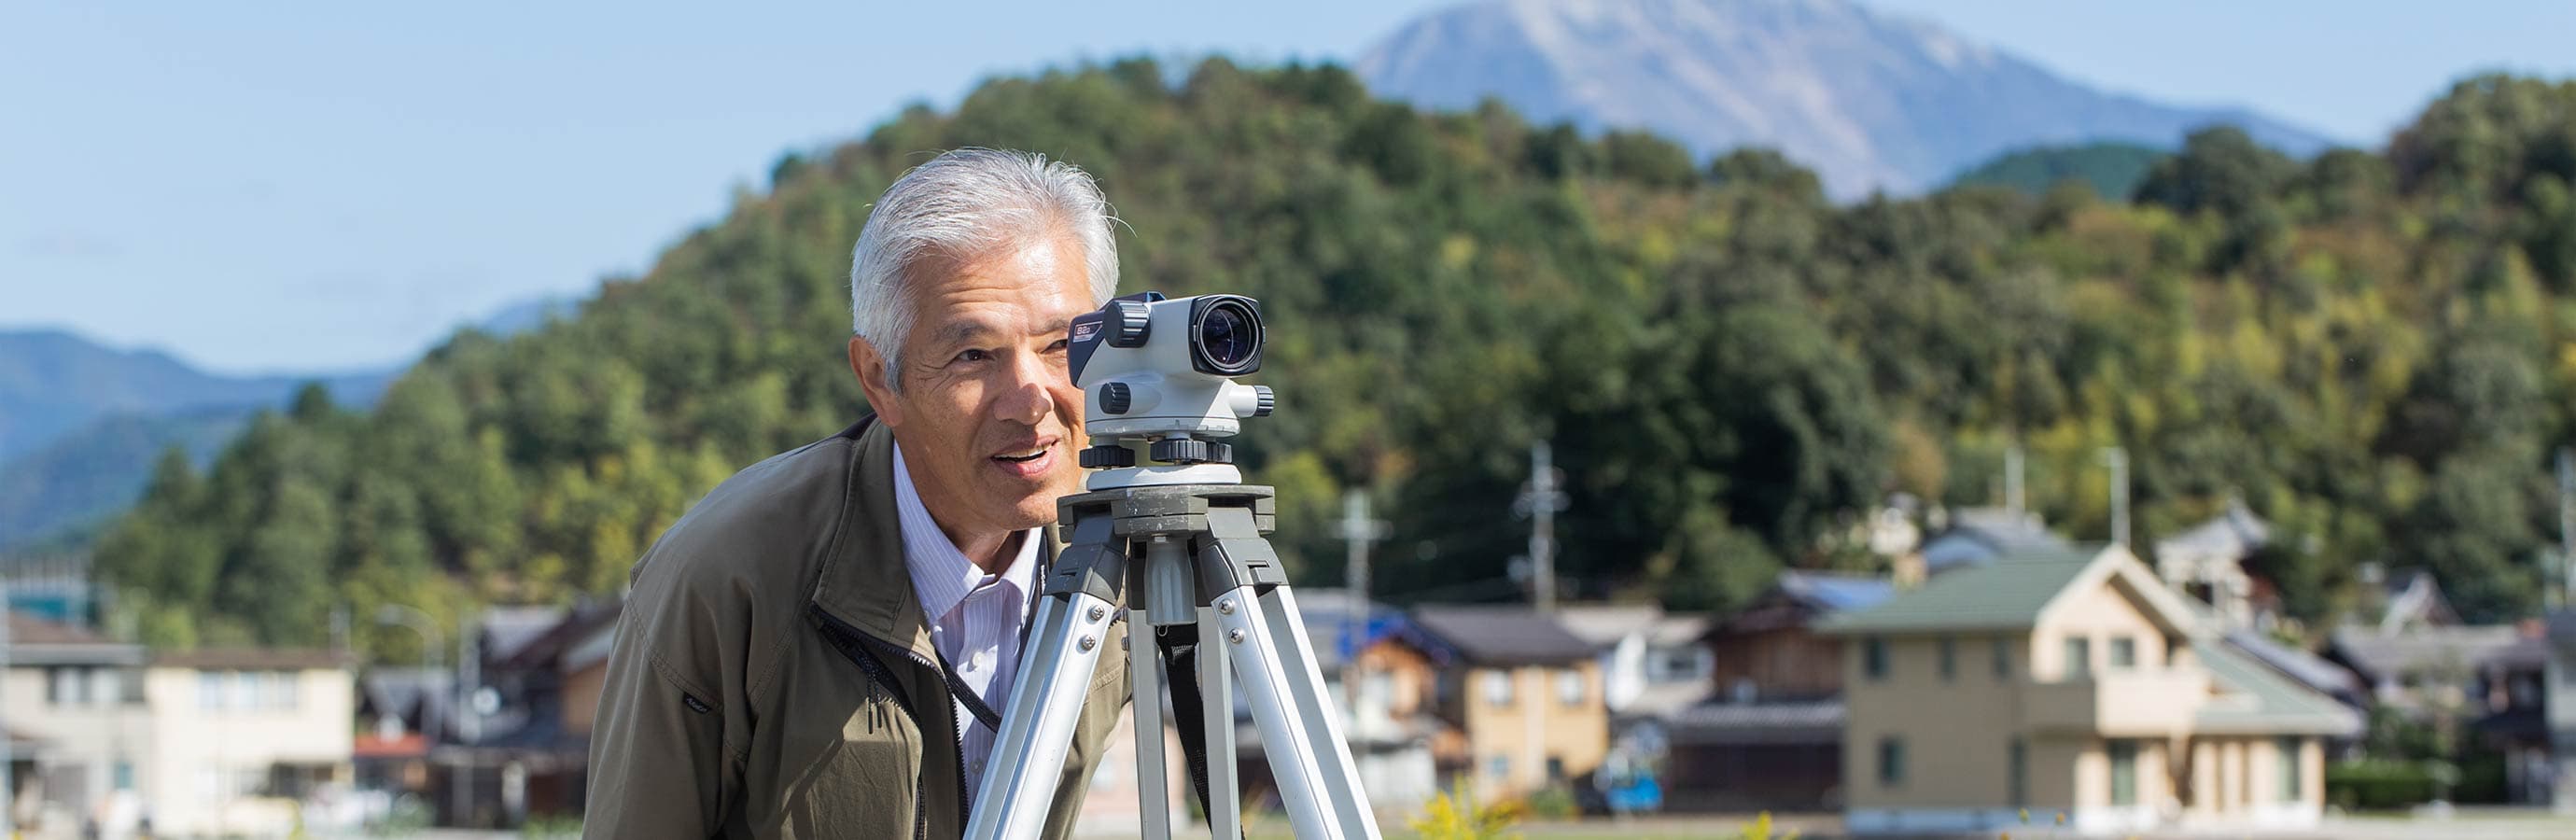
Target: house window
1891 762
1873 655
2019 778
2003 659
1499 767
130 686
210 693
1569 687
1949 659
2124 772
125 775
67 686
2124 653
1555 769
2079 657
2289 749
1498 687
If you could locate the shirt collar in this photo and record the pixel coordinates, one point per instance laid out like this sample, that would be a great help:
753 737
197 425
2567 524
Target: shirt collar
942 576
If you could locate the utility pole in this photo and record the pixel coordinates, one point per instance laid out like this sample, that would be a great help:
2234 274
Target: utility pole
2118 458
1540 500
1358 530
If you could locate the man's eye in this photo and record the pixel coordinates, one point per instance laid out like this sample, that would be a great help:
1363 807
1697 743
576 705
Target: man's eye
1058 346
973 356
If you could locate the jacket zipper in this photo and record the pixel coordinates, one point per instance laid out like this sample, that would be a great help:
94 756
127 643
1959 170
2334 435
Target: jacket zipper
957 749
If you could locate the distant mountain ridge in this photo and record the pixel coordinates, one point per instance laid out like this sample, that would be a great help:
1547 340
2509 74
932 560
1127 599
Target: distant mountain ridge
82 424
52 382
1871 101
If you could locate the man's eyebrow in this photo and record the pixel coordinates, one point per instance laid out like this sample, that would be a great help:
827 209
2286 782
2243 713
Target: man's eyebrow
1058 325
958 332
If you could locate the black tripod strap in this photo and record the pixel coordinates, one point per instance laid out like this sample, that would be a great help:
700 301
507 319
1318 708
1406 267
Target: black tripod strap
1179 648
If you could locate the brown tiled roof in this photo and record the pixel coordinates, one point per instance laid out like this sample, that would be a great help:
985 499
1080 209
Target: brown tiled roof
29 630
1502 635
250 659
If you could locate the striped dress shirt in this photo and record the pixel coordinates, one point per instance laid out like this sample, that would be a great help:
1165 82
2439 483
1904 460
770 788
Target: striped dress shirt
974 617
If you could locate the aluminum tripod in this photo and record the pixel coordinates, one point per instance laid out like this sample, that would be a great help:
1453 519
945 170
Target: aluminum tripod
1179 554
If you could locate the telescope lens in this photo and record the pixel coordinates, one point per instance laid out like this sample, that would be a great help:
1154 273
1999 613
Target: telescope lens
1228 335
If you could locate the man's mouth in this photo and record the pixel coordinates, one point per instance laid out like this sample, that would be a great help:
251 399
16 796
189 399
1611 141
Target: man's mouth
1030 461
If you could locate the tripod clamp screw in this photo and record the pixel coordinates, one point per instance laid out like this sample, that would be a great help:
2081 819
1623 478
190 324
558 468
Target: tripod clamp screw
1099 612
1234 636
1087 643
1225 606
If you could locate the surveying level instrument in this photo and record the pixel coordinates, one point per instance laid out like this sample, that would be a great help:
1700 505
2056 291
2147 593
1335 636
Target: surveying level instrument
1179 542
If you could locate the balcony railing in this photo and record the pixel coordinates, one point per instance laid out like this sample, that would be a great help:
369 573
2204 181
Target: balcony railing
2123 702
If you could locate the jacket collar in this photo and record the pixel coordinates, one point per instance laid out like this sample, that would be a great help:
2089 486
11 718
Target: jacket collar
864 581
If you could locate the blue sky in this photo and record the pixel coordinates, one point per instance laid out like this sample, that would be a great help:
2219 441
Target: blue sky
300 187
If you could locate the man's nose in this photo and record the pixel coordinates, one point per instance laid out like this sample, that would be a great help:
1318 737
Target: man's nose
1025 399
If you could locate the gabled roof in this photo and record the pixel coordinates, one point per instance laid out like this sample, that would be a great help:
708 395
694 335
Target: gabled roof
1325 613
1978 535
1496 635
2380 655
2259 701
2014 592
2234 534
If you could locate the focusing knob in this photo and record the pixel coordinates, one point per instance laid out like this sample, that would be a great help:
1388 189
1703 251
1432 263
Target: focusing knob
1131 322
1191 451
1114 398
1267 401
1108 457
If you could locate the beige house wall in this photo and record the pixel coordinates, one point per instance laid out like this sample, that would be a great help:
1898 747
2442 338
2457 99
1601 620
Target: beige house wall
1536 725
197 748
2098 616
1956 732
81 743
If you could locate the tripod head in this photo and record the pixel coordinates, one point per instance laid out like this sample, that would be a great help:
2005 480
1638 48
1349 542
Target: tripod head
1160 371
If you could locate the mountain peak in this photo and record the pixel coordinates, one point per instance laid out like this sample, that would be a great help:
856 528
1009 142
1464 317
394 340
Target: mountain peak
1872 101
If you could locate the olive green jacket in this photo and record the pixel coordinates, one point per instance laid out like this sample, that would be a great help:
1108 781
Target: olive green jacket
773 674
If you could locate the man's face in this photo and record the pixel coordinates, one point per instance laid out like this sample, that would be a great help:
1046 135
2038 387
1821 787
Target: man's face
988 416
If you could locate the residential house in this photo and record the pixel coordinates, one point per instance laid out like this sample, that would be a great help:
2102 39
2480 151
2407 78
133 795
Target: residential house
2512 718
238 734
78 726
528 753
2207 562
401 712
2429 672
1771 736
1523 695
2074 683
1388 721
1652 662
2408 599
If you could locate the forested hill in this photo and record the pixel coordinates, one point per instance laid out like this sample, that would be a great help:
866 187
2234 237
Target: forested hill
2373 350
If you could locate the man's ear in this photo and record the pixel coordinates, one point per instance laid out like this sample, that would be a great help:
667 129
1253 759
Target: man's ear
870 367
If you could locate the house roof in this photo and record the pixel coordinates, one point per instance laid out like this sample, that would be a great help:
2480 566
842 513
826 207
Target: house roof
1979 534
251 659
25 629
2297 664
1500 635
1604 625
1759 723
2011 594
1830 592
2260 700
2232 535
2561 626
1325 609
36 641
2526 653
2377 655
506 630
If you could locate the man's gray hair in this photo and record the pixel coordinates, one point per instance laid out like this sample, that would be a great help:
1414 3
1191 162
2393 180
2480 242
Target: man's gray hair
963 205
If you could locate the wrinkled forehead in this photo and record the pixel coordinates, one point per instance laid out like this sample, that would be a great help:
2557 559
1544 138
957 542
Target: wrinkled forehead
1018 288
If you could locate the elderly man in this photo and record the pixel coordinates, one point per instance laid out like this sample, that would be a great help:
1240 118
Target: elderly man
817 649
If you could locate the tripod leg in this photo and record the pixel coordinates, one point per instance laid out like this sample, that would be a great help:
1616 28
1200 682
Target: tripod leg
1216 696
1037 726
1314 809
1340 779
1153 785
